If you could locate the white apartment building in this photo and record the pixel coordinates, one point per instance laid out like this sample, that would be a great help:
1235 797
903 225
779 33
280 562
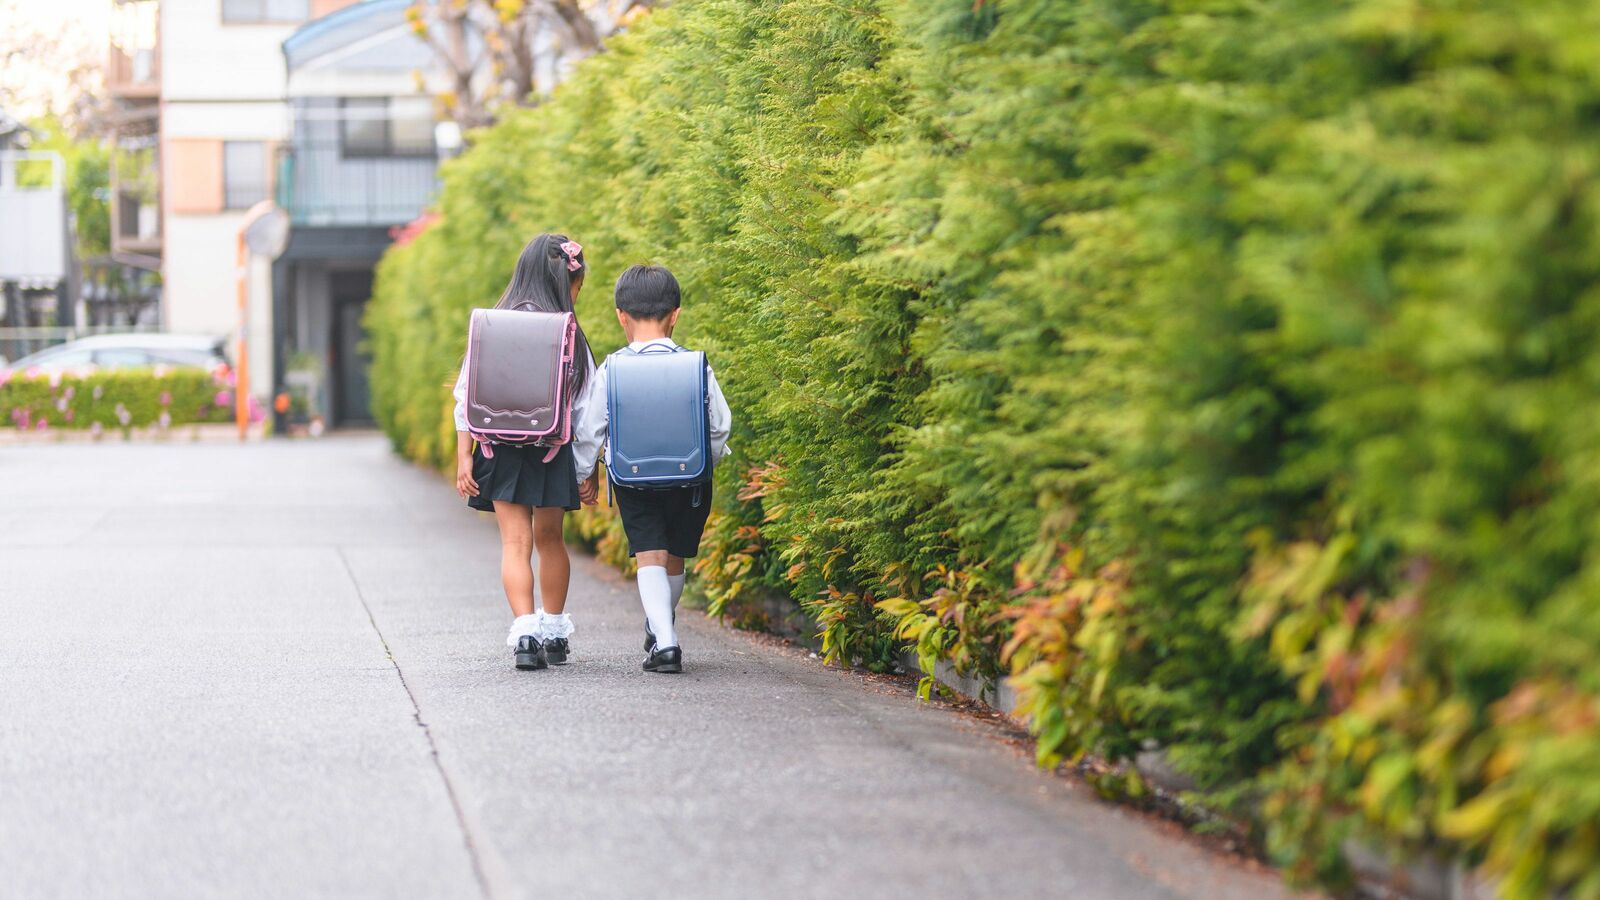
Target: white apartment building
223 116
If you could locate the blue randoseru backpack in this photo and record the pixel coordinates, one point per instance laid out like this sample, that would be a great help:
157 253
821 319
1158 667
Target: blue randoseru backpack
659 430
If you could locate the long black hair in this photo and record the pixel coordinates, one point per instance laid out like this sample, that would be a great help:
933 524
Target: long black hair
543 281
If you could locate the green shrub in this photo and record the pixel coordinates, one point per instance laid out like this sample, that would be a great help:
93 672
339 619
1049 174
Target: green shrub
1216 371
115 399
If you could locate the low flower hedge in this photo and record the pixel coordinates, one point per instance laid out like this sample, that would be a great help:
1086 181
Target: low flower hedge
116 399
1223 374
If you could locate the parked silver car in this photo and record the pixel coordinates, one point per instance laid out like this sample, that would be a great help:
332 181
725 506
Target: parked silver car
121 351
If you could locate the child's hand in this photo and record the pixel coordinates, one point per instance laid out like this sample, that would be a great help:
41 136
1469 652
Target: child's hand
464 483
589 490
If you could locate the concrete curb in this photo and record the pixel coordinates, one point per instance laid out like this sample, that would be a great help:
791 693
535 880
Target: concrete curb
786 619
995 696
180 434
1380 873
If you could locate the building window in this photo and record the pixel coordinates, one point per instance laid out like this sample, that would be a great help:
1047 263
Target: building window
364 127
244 174
385 126
412 129
250 12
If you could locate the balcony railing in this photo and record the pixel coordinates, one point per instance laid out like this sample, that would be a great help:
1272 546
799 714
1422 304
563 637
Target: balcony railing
135 194
320 184
138 223
134 74
133 67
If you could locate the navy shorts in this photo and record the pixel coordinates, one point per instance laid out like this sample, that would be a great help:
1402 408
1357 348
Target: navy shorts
664 520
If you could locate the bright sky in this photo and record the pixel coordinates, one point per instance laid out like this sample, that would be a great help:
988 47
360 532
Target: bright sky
39 79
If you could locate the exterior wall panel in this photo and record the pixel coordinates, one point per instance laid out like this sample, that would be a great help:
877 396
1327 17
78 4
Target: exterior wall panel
200 294
204 59
193 175
220 82
320 8
257 121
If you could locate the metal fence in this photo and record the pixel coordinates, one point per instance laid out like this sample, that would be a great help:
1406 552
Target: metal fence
321 184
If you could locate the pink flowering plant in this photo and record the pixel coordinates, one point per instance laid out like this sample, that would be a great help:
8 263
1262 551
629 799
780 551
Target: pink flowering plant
120 399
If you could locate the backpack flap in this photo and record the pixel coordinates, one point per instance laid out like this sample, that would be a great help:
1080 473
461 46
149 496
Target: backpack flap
659 431
518 370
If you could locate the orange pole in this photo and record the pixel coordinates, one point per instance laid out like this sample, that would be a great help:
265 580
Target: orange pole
241 374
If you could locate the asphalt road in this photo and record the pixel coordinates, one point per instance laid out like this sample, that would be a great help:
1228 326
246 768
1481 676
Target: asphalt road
278 670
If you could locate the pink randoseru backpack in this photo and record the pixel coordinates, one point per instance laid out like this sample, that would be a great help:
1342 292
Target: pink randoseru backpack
519 378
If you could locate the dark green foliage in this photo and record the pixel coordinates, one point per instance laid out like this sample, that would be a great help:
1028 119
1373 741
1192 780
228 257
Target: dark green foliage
1219 371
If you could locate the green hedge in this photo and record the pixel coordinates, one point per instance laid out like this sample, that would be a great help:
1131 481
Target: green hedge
115 399
1220 372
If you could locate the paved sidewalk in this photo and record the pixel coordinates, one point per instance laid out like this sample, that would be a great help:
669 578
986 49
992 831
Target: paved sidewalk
278 670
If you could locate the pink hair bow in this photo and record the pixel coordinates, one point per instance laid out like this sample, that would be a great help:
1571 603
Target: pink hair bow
572 249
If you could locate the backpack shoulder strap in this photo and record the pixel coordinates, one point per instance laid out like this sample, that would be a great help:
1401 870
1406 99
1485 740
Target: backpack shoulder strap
656 348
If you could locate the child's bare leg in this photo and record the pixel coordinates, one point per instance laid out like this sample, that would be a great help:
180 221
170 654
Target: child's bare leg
516 554
674 564
555 569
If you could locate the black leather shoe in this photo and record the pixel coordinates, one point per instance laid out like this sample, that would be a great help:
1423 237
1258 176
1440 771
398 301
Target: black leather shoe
530 653
666 660
556 650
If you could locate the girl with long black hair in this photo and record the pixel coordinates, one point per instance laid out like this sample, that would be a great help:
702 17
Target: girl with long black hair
528 496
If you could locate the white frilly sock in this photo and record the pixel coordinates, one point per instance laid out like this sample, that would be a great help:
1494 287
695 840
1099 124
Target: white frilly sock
655 592
528 624
555 625
677 587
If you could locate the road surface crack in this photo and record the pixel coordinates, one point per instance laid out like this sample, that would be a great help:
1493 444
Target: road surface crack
486 867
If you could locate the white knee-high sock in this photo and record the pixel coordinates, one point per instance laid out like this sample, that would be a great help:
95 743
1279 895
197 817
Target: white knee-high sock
655 592
677 587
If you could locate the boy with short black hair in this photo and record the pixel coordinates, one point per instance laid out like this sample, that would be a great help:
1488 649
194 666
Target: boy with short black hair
664 526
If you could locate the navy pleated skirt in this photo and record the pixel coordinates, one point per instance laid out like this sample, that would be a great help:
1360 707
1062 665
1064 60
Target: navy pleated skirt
520 475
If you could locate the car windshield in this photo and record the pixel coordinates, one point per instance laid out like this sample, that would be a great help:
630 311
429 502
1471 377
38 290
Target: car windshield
133 353
183 356
65 357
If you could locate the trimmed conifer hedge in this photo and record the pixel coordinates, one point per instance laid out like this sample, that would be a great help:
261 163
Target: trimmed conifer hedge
1220 372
